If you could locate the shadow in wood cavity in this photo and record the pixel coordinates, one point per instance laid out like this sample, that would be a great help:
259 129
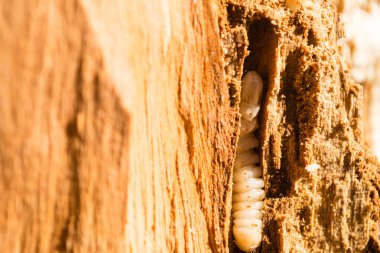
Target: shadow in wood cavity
263 58
263 43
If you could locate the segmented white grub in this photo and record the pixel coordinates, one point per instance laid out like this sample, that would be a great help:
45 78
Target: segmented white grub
248 193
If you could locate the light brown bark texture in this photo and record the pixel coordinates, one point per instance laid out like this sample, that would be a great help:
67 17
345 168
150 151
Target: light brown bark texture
116 127
119 122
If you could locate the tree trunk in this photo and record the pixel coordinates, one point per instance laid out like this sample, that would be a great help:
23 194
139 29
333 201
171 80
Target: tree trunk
120 120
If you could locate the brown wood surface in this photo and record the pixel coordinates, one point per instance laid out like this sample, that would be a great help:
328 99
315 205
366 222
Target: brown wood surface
116 127
119 121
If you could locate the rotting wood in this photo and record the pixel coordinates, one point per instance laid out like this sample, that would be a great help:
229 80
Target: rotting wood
312 115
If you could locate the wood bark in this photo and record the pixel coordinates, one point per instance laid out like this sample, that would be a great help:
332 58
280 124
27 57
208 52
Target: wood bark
119 123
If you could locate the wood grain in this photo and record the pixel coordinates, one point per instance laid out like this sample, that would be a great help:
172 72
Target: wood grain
119 122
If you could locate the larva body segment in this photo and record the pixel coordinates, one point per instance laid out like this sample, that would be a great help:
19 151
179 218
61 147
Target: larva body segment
243 206
248 193
247 172
248 126
251 90
252 195
243 222
247 235
248 112
249 184
247 214
246 158
246 143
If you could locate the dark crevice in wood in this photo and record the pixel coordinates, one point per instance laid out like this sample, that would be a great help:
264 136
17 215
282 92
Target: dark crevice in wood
272 230
233 94
236 14
263 41
74 153
373 246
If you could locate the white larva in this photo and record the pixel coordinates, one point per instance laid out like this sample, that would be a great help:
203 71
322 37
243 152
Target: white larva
247 172
258 205
248 111
246 158
252 195
249 184
247 142
248 126
248 193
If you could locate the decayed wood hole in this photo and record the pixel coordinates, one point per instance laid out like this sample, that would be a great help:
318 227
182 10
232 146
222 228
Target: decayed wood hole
313 154
262 43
